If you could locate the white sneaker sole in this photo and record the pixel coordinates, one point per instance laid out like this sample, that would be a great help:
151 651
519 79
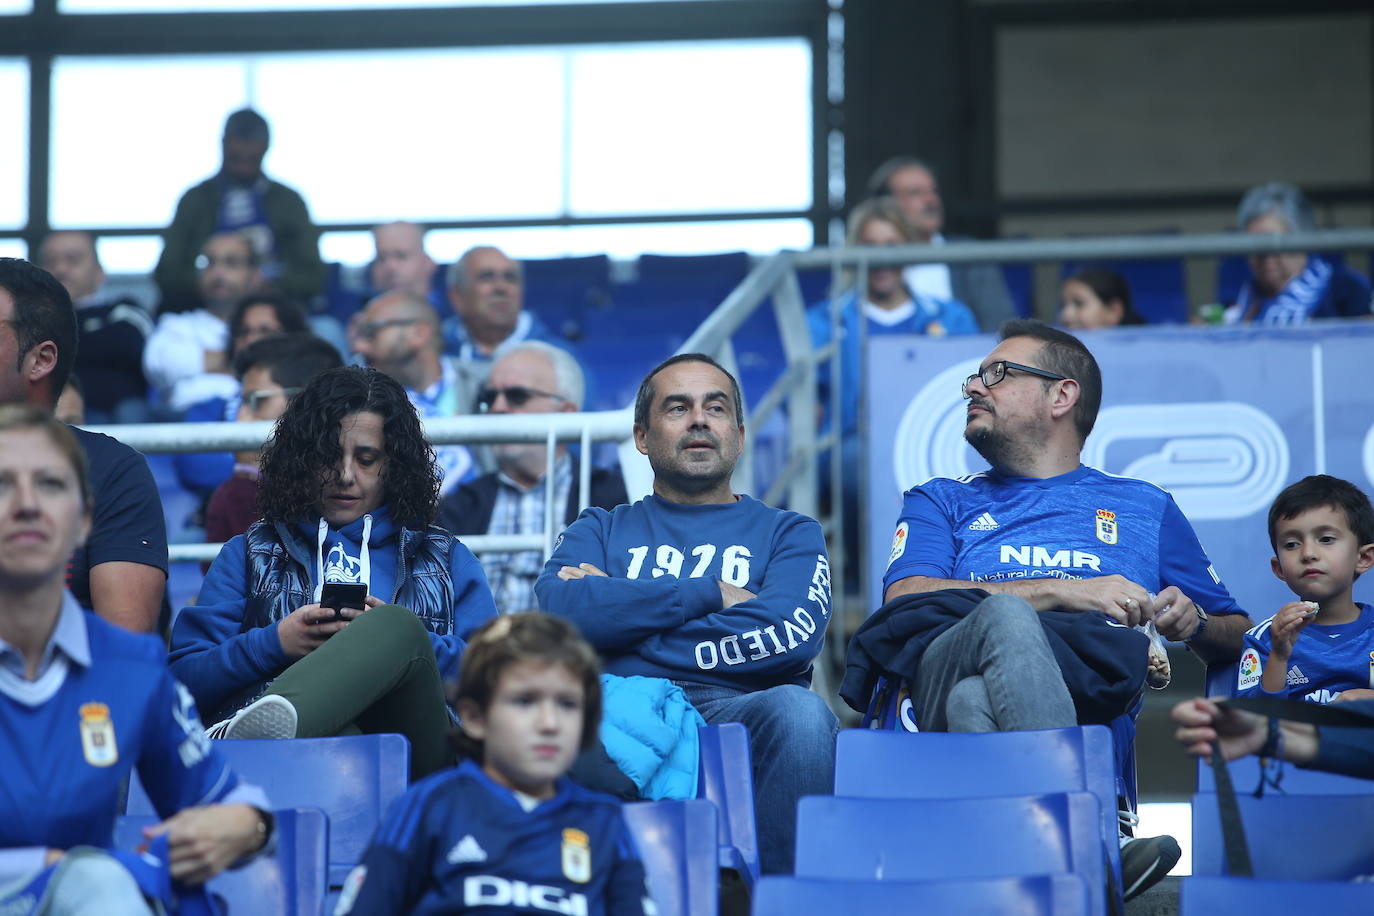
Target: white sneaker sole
271 717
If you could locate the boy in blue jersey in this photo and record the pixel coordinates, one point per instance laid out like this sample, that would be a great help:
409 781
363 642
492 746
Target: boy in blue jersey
723 595
1053 543
506 832
1319 647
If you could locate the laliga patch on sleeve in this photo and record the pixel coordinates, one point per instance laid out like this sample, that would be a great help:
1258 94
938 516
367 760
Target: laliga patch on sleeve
898 544
1249 670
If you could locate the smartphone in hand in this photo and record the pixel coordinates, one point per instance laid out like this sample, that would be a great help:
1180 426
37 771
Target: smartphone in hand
339 595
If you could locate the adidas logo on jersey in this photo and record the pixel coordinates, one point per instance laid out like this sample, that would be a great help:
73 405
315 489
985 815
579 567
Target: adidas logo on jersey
984 522
466 850
1295 676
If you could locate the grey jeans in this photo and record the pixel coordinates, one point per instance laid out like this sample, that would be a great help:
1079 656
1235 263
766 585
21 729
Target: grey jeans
992 671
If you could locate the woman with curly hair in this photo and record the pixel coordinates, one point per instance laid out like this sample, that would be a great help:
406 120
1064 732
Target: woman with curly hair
283 642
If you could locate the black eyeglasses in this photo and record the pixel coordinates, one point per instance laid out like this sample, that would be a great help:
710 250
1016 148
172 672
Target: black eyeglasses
255 398
516 396
994 372
370 329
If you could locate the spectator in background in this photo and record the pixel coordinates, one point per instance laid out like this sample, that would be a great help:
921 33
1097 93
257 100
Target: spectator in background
255 317
401 263
187 357
398 333
112 329
528 378
241 199
348 490
1095 297
71 403
1292 287
271 371
121 570
890 306
982 287
487 292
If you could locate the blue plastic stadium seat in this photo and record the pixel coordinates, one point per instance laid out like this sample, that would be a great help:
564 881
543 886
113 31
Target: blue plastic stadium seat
718 270
926 839
677 841
290 883
1211 895
352 779
1020 280
896 764
1291 837
1040 895
725 778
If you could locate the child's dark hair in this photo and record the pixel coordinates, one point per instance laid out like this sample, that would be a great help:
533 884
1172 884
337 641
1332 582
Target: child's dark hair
1323 490
531 636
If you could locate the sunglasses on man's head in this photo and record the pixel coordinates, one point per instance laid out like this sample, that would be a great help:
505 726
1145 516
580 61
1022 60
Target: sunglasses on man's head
516 396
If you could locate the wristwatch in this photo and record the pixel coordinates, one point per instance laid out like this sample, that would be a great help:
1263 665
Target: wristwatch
1201 622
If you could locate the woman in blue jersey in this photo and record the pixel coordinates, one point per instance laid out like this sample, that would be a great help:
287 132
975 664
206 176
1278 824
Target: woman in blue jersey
82 704
343 609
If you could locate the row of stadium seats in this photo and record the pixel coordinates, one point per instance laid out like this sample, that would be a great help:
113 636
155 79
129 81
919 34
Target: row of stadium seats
328 822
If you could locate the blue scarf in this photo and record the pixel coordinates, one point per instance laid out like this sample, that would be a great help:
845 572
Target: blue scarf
1295 303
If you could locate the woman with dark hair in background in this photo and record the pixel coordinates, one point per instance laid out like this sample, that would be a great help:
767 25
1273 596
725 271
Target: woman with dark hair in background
262 315
290 638
1095 297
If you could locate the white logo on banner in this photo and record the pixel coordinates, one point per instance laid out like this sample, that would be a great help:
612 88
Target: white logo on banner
1219 459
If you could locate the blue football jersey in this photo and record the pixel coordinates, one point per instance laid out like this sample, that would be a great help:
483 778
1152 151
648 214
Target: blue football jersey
1086 523
457 842
1325 661
71 738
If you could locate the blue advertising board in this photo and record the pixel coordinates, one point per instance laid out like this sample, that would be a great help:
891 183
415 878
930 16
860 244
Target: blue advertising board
1222 418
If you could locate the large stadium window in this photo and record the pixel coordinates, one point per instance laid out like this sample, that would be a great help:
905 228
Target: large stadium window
14 142
210 6
454 135
15 6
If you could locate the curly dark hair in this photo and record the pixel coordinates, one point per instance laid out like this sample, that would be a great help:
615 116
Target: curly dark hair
304 453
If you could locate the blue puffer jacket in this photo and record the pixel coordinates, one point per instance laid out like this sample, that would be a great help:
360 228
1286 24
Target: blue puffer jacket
650 730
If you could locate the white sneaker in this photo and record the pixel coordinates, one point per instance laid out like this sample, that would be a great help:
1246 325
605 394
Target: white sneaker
270 717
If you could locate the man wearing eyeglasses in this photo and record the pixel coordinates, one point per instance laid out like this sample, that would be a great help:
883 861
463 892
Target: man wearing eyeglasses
528 378
398 333
272 370
1054 544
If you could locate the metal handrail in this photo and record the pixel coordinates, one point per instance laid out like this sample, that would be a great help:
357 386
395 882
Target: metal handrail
775 278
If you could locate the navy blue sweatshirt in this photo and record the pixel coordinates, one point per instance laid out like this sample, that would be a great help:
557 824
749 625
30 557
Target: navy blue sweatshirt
660 613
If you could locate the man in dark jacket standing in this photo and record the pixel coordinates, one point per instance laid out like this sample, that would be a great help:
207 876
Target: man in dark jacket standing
241 199
529 377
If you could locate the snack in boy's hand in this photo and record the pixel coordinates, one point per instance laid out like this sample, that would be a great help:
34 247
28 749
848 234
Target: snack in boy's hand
1312 613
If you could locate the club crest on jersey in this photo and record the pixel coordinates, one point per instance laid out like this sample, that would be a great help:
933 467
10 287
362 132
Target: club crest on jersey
97 735
1106 526
898 543
577 855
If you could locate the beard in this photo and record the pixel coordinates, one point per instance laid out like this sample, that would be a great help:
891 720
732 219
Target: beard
1004 452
